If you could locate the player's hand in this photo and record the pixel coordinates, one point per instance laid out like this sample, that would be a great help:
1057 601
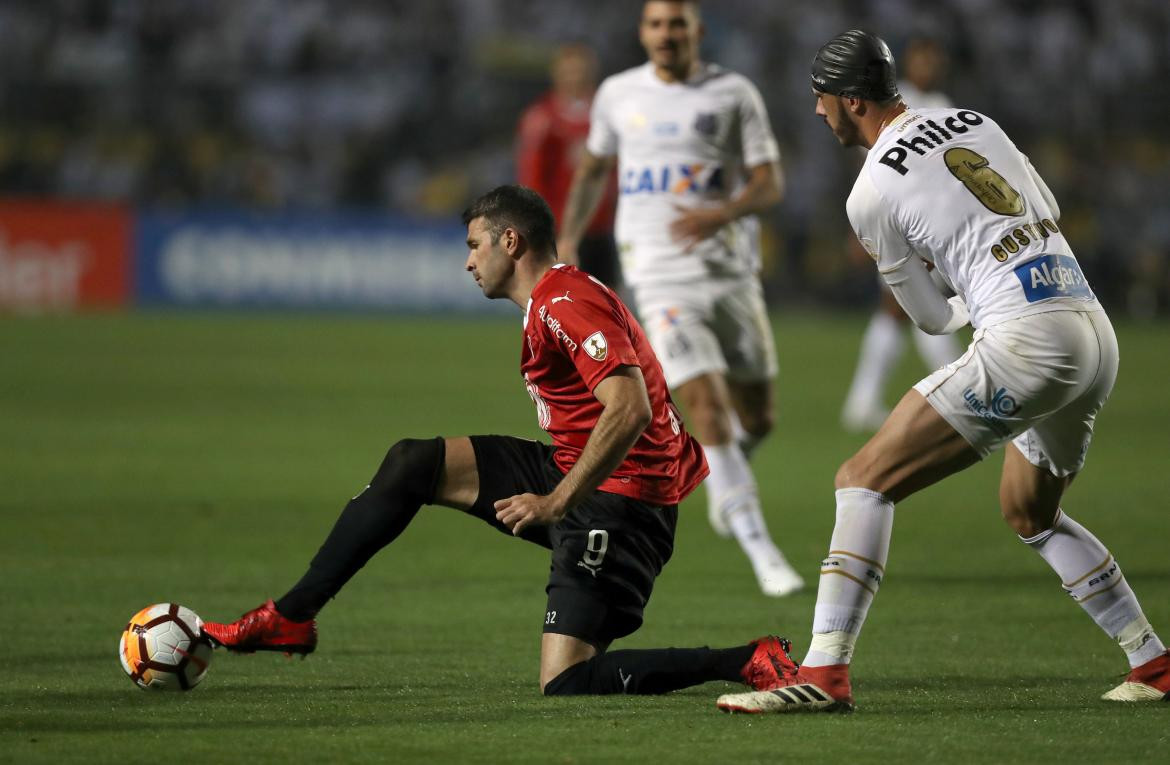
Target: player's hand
694 224
526 509
567 252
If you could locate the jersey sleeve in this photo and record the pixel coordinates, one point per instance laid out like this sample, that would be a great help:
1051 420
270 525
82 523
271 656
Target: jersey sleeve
1042 187
759 144
603 137
599 338
899 264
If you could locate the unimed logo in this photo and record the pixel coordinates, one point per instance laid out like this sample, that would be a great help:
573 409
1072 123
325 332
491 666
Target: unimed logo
58 256
34 274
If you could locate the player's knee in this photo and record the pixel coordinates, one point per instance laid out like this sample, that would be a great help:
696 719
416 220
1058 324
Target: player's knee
412 465
851 475
710 423
1027 522
859 473
759 424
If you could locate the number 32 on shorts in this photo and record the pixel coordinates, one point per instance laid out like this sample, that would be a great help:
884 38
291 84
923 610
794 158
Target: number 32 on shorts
595 548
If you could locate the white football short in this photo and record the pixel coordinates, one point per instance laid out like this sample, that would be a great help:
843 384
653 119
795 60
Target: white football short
1038 381
713 325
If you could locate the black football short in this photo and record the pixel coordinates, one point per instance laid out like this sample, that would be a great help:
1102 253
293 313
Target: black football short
606 552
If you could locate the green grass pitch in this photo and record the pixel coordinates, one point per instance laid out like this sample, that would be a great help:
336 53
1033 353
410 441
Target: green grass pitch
202 459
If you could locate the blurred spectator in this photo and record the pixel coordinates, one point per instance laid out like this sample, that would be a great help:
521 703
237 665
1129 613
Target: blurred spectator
411 106
549 140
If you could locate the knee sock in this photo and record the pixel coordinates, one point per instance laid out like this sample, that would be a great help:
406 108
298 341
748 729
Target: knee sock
850 575
881 348
1094 580
406 481
650 671
732 490
936 350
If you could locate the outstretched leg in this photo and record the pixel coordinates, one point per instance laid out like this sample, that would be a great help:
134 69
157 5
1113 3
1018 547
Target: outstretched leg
571 667
414 473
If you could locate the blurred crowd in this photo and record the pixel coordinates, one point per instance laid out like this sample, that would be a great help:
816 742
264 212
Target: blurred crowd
412 107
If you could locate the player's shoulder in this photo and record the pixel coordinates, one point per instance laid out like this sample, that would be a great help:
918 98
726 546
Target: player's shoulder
563 278
864 199
716 76
537 116
633 77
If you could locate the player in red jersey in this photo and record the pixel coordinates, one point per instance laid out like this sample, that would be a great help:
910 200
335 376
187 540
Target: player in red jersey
604 498
550 139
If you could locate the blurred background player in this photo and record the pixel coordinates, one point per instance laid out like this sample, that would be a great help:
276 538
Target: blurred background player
697 161
549 141
923 66
948 188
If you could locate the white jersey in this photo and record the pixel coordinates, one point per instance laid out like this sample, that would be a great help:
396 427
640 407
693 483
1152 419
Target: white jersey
948 187
682 144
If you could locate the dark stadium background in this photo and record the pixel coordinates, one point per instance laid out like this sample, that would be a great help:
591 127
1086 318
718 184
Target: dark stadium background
409 109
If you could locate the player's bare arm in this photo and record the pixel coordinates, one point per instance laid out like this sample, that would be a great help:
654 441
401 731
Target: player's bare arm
584 196
627 413
763 190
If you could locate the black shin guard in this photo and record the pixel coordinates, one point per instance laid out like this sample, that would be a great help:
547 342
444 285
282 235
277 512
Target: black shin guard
406 480
650 671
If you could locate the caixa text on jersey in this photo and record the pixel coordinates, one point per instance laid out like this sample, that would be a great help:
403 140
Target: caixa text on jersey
695 178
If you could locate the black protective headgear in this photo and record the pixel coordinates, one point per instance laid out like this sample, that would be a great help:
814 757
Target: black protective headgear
855 64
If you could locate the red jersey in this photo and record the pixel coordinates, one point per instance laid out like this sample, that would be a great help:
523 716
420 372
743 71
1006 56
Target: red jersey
576 333
549 141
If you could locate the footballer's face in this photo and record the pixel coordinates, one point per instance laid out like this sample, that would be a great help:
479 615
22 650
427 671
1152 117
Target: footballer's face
834 110
670 33
488 261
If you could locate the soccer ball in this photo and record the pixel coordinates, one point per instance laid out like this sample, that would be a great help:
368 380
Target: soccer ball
163 648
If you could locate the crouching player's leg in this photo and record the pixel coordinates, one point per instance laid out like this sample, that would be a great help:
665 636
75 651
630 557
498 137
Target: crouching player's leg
606 554
414 473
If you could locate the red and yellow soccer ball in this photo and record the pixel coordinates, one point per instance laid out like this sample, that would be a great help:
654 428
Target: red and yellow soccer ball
163 648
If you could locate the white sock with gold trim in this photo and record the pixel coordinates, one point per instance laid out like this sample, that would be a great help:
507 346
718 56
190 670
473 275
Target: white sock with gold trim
1093 578
850 575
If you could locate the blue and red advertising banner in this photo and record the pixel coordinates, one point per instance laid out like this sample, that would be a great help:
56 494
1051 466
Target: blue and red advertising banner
67 256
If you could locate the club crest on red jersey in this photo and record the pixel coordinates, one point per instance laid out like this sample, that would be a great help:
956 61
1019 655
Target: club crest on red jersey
596 346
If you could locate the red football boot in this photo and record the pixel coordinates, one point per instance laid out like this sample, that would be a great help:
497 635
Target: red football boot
803 689
264 629
770 663
1149 682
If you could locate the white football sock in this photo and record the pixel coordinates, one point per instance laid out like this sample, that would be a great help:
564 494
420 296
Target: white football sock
936 350
851 574
881 349
1093 578
732 489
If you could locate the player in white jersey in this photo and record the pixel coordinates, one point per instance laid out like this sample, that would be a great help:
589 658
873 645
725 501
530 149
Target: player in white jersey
947 188
923 63
696 161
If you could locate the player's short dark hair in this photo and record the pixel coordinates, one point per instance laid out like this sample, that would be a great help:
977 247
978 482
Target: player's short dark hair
519 208
693 3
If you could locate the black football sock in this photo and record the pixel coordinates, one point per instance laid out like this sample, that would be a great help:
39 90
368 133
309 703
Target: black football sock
650 671
406 481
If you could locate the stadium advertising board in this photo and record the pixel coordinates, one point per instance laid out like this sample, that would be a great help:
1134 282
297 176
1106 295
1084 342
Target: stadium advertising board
61 256
347 260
